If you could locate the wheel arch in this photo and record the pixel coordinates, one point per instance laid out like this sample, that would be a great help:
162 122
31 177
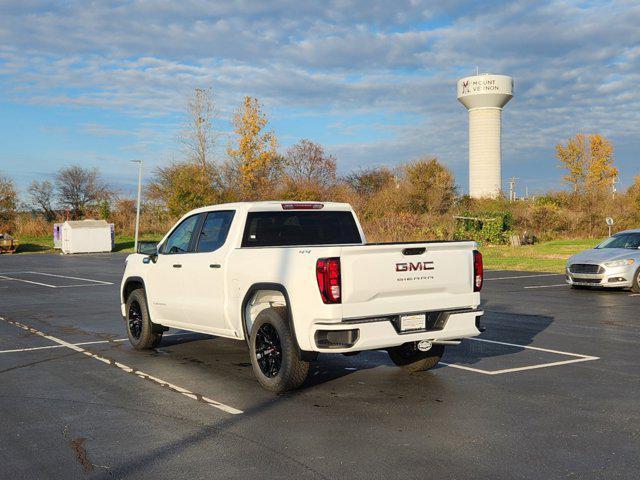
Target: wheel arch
134 283
131 284
256 289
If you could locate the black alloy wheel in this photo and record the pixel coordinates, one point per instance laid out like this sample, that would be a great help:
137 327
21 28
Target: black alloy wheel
268 350
135 319
274 354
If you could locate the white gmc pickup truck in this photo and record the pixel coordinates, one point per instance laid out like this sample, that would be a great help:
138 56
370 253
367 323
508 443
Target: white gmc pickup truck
295 279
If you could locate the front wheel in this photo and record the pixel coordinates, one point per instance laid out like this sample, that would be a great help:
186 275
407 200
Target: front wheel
413 360
139 327
635 284
274 356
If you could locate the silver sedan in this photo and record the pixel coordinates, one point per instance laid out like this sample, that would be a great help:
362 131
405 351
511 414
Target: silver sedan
613 263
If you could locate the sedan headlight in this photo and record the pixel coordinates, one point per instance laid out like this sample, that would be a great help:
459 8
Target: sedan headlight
620 263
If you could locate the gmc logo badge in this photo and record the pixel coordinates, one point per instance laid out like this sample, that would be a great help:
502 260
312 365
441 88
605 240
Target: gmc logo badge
414 267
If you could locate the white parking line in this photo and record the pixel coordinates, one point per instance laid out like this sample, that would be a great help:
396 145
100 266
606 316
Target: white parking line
27 281
578 358
72 278
127 369
549 286
525 276
47 347
529 347
93 282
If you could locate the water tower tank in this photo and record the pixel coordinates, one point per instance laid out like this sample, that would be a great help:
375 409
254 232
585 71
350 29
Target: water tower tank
484 96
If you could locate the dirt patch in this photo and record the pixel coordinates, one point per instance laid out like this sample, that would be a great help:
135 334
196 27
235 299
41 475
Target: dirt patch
81 453
77 445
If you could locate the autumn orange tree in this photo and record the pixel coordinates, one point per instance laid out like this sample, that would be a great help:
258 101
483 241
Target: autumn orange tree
633 195
254 164
431 187
588 160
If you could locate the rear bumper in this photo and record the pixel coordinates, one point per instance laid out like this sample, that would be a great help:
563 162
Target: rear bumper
381 333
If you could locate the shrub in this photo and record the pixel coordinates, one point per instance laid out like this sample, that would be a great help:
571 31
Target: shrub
490 227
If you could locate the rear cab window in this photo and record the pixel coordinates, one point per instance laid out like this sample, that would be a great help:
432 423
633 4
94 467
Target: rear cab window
214 231
300 227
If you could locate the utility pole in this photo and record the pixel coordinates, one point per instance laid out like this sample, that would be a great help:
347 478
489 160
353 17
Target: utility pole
614 180
512 188
135 240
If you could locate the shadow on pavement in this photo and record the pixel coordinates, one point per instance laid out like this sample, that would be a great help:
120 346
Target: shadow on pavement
512 328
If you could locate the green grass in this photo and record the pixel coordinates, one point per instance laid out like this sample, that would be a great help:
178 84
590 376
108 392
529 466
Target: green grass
542 257
44 244
125 243
35 244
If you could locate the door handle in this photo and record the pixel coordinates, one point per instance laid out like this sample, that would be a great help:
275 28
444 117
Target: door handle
215 265
177 265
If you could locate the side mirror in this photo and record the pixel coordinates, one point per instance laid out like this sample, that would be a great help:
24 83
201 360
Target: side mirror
148 248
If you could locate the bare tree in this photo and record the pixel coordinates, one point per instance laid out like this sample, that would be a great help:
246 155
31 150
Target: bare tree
199 138
42 196
369 181
79 188
307 162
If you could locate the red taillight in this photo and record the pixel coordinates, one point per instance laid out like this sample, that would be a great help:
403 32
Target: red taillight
478 271
302 206
328 276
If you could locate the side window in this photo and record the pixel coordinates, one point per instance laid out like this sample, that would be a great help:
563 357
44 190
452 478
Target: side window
180 238
214 231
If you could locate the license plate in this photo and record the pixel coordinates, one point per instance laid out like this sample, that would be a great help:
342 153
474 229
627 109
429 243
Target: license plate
412 322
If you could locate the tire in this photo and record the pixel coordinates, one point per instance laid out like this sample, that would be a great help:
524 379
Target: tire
413 360
274 356
140 329
635 284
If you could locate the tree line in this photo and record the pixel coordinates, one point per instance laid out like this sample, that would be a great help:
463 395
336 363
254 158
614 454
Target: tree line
409 202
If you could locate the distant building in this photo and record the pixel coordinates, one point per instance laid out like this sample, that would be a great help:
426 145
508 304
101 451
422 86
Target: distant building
85 236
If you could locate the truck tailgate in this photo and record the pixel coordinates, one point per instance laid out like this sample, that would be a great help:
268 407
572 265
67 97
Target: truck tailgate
402 278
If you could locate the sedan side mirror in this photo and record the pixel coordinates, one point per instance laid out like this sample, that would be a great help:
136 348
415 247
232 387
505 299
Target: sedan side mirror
148 248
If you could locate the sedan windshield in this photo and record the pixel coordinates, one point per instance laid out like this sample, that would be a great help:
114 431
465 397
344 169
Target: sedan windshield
623 240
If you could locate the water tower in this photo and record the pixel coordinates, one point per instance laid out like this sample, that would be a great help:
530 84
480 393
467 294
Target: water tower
484 96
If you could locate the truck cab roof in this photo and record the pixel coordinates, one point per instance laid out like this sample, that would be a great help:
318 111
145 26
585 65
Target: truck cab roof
276 205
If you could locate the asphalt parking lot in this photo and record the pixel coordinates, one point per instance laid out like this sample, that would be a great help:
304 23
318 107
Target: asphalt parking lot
550 390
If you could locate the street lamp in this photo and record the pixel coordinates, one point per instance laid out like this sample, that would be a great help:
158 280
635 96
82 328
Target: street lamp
135 243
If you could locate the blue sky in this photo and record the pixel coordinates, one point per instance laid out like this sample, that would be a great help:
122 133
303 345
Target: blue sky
102 83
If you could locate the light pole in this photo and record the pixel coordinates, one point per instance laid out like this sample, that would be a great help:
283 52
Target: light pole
135 241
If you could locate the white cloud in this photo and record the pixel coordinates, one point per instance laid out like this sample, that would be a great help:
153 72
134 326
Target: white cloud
576 65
